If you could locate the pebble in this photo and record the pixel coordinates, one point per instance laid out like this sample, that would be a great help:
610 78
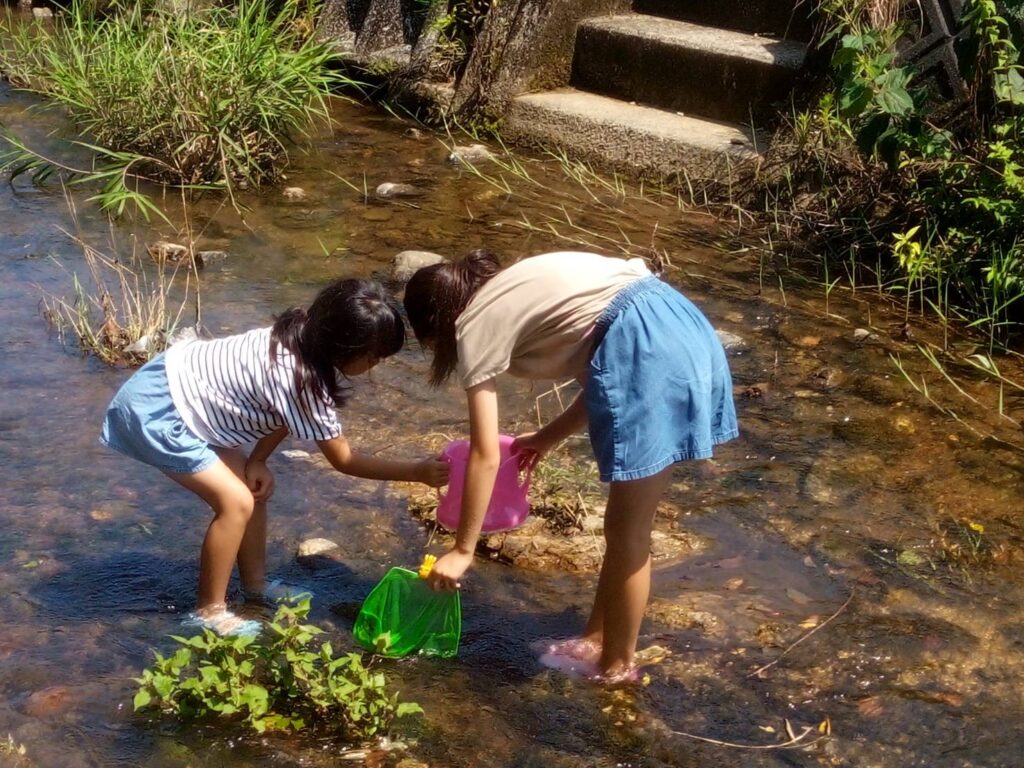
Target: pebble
163 250
293 194
389 189
405 264
311 547
474 153
730 341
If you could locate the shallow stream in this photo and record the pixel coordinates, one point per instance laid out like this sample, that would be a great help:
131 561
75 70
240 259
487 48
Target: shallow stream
845 481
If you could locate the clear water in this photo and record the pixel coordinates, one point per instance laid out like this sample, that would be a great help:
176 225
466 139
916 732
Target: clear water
841 468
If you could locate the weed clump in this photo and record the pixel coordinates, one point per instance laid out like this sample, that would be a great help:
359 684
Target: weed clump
277 681
206 99
897 189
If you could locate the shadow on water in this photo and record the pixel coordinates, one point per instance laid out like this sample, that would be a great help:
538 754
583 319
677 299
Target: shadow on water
844 482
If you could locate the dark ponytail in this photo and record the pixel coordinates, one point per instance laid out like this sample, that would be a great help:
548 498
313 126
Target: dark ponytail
348 320
434 299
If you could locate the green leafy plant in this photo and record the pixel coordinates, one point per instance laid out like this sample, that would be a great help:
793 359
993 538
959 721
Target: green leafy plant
277 681
879 175
203 100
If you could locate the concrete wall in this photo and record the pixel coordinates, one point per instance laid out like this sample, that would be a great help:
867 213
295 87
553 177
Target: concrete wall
523 45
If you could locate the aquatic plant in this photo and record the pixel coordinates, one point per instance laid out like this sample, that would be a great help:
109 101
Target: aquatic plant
124 313
203 100
277 681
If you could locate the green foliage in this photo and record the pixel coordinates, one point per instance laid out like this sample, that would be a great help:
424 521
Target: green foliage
457 30
929 208
278 681
204 99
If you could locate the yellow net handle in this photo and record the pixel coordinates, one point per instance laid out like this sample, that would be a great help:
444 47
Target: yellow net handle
427 565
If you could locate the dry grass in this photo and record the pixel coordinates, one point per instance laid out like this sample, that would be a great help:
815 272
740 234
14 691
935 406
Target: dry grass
124 313
883 13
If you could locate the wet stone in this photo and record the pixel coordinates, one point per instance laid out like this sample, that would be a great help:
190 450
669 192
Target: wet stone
675 616
205 258
389 189
730 341
405 264
312 547
48 702
294 194
470 155
163 251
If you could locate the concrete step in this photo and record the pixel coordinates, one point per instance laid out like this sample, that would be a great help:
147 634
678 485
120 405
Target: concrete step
636 139
684 67
779 18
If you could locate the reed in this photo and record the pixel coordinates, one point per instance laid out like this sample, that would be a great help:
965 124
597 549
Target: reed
204 100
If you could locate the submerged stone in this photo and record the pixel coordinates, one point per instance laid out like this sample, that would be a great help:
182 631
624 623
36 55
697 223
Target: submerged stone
312 547
474 153
405 264
294 194
389 189
730 341
164 251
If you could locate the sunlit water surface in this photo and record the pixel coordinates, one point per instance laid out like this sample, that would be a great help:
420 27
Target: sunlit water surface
841 470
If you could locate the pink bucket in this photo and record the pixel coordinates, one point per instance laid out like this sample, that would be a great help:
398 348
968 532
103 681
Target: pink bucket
509 506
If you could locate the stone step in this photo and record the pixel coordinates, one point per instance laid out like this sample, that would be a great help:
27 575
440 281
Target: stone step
788 20
636 139
684 67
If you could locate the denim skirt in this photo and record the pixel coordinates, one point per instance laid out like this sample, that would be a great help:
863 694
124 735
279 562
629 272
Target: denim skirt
142 422
659 389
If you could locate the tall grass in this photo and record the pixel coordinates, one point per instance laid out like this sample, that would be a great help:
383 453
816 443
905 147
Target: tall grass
123 312
920 200
204 99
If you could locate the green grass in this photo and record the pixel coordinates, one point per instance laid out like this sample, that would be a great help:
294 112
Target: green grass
209 99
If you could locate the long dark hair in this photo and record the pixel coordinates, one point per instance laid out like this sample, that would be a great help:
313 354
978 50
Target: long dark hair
434 299
347 320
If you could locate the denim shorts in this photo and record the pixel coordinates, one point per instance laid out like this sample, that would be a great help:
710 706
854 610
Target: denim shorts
142 422
659 389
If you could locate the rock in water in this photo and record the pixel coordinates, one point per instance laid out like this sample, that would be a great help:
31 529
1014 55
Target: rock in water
388 189
474 153
294 194
730 341
312 547
405 264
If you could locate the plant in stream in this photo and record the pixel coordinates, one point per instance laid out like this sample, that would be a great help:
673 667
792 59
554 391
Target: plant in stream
124 314
202 100
277 681
962 543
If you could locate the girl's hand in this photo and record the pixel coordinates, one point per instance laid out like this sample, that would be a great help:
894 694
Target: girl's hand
260 480
531 447
447 571
433 472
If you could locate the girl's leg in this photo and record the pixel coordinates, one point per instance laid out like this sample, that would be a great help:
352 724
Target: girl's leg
232 505
252 553
625 580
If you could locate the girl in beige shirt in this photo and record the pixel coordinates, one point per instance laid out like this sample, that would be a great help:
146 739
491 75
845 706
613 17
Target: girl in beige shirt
656 390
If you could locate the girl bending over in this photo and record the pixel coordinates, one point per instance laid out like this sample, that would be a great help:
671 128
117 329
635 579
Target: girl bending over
189 412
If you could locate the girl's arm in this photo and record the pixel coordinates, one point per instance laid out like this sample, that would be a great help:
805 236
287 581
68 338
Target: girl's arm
533 445
484 459
432 471
257 476
267 445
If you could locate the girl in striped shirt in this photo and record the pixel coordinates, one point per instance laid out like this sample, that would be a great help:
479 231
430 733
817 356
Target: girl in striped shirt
192 411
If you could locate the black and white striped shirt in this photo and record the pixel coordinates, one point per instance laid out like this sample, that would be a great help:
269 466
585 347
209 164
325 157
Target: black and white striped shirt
229 392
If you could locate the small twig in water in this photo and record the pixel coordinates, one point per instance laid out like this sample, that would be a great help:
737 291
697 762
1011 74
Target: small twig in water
760 670
795 742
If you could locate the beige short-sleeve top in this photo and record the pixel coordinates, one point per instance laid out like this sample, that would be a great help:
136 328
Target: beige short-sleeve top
536 318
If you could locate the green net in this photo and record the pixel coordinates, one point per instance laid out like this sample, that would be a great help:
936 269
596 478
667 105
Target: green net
403 615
